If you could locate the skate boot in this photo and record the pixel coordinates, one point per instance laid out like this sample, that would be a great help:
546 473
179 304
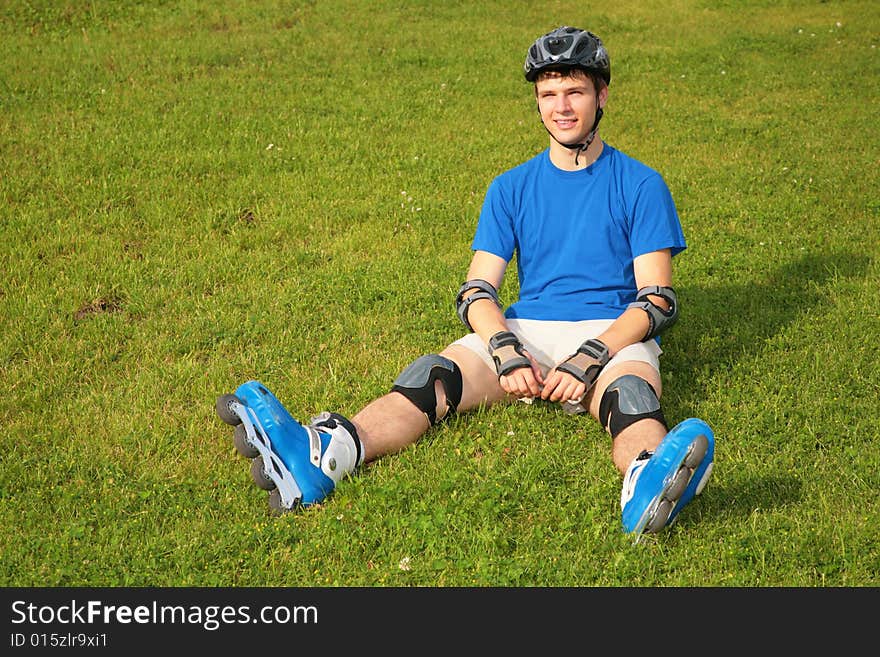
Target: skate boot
299 465
657 485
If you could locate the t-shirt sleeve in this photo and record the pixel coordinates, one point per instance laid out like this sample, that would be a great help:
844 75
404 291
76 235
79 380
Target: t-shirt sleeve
655 221
495 226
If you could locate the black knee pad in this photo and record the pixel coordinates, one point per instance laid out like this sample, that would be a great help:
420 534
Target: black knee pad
416 383
627 400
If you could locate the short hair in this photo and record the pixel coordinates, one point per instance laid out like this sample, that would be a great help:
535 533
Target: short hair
570 72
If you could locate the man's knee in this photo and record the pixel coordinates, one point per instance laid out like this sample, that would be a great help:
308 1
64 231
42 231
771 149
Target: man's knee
417 384
627 400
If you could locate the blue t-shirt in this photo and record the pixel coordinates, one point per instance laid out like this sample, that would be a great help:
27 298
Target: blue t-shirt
576 233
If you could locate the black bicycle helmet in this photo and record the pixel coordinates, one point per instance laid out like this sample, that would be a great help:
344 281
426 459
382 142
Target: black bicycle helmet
568 47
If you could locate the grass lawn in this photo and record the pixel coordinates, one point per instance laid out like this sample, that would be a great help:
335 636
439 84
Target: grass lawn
198 194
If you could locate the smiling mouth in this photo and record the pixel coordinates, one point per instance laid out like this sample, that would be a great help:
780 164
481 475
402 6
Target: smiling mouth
565 124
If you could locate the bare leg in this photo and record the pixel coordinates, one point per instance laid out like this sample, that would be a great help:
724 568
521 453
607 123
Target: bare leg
392 422
388 424
642 435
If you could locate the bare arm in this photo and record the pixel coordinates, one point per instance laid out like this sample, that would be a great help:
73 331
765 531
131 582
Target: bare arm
653 268
487 319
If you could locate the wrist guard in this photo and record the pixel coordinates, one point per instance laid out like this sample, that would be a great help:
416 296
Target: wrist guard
587 362
508 353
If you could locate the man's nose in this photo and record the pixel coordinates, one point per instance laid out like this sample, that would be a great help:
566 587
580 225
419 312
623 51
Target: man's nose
562 104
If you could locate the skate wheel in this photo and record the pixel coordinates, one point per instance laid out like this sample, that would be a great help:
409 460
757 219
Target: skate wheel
224 412
242 444
258 474
275 504
679 483
697 452
661 515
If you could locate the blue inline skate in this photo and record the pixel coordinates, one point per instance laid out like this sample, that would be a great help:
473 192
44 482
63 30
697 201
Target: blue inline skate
657 485
299 465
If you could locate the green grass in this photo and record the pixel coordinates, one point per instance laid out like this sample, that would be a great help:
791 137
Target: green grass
197 194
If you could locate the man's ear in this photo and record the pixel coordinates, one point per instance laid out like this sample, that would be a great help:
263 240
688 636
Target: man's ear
603 95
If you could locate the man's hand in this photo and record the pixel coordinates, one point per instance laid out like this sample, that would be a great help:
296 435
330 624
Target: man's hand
518 372
573 377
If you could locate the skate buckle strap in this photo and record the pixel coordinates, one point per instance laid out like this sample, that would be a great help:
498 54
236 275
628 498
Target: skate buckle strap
314 446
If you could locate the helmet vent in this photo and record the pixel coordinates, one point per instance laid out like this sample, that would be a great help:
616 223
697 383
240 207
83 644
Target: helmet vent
559 45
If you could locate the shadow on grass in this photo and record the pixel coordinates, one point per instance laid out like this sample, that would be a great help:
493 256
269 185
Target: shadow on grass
729 323
724 323
739 497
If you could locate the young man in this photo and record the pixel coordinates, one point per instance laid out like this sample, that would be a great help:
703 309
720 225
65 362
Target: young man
594 232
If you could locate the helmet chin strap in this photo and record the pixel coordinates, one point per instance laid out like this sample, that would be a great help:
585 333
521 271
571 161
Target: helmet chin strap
580 147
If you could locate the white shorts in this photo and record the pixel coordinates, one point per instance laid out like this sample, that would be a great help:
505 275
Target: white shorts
551 342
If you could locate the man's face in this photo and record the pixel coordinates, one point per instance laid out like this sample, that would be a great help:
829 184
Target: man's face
568 105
